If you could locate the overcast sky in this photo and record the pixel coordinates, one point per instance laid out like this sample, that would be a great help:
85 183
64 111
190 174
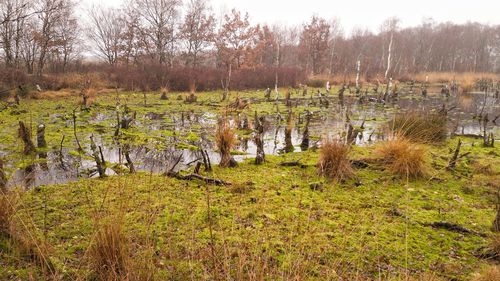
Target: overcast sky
356 13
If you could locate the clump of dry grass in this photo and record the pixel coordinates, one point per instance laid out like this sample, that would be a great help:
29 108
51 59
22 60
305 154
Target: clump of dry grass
54 94
420 127
7 211
334 162
88 96
21 235
164 93
109 252
225 139
489 273
403 157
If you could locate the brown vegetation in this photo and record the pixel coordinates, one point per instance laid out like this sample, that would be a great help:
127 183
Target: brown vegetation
225 139
403 157
334 162
489 273
7 211
420 127
109 252
462 78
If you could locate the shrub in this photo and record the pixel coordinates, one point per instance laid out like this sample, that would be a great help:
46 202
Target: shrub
403 157
225 139
109 252
180 78
420 127
334 160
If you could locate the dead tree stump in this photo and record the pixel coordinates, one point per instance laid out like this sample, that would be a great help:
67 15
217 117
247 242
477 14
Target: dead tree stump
305 135
97 158
42 145
288 132
260 156
25 135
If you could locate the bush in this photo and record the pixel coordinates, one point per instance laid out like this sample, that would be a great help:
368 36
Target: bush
403 157
152 77
334 160
420 127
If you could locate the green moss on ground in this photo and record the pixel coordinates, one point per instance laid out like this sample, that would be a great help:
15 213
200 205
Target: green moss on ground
271 222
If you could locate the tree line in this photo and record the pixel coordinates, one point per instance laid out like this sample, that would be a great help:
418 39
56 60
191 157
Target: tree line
55 36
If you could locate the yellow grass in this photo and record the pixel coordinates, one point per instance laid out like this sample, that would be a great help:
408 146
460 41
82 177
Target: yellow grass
334 160
403 157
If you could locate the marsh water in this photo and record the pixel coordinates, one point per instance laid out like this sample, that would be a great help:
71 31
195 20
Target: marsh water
187 131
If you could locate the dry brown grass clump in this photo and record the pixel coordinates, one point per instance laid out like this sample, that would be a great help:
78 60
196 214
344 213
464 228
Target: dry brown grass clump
22 235
164 93
88 96
334 162
109 252
420 127
403 157
225 139
488 274
7 211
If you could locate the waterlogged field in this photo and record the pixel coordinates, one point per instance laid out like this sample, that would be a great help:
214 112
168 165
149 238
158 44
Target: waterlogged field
161 131
278 220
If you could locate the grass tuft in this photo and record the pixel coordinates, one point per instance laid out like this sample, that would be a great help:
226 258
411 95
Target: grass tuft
334 162
420 127
7 211
225 139
488 274
109 252
403 157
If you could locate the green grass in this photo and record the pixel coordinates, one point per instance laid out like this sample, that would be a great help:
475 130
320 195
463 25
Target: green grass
270 221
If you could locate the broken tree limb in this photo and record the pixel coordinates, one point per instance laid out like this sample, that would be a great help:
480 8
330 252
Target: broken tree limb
453 227
74 131
293 164
454 159
207 180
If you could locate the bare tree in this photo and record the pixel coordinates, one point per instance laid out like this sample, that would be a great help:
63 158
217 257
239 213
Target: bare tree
314 44
67 42
50 14
12 21
235 36
158 20
106 30
197 30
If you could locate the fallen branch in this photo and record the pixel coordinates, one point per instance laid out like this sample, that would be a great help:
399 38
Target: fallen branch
207 180
293 164
453 227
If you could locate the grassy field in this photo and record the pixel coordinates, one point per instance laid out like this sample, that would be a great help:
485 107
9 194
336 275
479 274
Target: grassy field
270 223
